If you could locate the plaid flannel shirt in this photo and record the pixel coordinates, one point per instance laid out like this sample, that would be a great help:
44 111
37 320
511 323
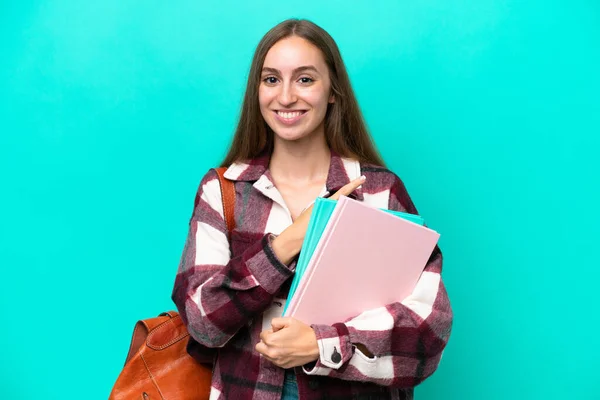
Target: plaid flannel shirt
228 290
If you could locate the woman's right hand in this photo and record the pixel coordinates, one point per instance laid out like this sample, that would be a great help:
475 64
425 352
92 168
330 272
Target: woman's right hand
288 244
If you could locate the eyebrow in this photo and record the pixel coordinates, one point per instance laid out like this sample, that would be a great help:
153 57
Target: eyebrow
295 71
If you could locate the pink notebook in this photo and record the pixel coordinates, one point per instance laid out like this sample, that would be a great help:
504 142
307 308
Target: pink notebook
366 258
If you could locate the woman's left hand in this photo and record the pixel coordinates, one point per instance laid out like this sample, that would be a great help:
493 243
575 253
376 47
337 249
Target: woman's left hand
289 343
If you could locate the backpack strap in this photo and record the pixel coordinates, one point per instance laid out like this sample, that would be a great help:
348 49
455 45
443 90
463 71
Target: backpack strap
228 198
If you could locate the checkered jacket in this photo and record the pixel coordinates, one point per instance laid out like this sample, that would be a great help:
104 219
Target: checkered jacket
227 290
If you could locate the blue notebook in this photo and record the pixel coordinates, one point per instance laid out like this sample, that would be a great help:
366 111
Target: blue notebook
322 210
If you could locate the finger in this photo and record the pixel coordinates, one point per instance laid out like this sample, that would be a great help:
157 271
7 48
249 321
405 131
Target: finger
279 323
348 188
308 209
264 335
280 364
261 347
265 351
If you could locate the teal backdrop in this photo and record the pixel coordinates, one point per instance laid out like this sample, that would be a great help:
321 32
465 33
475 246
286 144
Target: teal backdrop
111 111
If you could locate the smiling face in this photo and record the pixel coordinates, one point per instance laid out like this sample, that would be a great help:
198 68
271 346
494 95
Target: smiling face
295 89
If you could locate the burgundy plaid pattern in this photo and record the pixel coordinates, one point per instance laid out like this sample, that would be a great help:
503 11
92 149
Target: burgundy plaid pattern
227 292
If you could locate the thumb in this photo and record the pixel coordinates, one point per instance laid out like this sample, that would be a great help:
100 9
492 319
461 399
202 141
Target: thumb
279 323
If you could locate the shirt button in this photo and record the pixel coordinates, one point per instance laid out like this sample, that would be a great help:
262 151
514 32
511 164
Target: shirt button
335 356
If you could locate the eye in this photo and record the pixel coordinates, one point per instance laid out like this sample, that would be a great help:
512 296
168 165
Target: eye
271 80
306 79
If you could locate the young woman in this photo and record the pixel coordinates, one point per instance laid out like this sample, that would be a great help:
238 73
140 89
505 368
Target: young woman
301 135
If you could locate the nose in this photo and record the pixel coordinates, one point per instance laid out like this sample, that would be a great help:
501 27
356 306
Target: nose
287 95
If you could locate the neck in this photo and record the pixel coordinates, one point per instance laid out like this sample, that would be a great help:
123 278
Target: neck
300 161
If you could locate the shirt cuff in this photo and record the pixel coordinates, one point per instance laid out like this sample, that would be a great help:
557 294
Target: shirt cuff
335 349
268 270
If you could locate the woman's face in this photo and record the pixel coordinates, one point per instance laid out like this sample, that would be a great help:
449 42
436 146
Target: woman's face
295 89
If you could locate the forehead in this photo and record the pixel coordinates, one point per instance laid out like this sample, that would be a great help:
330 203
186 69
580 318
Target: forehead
293 52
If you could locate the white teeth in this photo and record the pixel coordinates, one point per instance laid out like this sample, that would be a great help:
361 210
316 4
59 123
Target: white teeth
289 115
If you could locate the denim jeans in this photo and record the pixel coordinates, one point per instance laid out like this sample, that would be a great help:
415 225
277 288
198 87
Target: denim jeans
290 386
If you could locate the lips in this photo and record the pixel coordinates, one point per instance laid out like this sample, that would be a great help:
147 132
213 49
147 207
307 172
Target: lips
289 117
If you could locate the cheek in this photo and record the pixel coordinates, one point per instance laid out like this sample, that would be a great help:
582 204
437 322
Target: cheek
317 97
265 97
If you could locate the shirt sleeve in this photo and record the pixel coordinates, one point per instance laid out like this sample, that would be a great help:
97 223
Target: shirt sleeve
405 339
215 294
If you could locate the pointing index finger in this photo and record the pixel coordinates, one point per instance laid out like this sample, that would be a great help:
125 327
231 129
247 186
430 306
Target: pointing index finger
348 188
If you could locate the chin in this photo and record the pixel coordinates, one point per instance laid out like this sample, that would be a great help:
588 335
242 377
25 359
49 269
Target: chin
295 134
291 137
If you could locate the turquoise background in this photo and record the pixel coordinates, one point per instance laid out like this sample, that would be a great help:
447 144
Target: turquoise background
110 113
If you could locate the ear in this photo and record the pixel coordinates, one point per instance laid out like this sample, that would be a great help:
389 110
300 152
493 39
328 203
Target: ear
332 98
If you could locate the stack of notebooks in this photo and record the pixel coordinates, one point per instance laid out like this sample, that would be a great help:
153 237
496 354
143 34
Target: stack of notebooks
355 258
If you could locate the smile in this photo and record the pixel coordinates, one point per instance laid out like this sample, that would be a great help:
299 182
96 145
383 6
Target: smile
289 117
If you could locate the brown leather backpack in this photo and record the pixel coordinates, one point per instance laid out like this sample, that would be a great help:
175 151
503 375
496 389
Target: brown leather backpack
158 365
